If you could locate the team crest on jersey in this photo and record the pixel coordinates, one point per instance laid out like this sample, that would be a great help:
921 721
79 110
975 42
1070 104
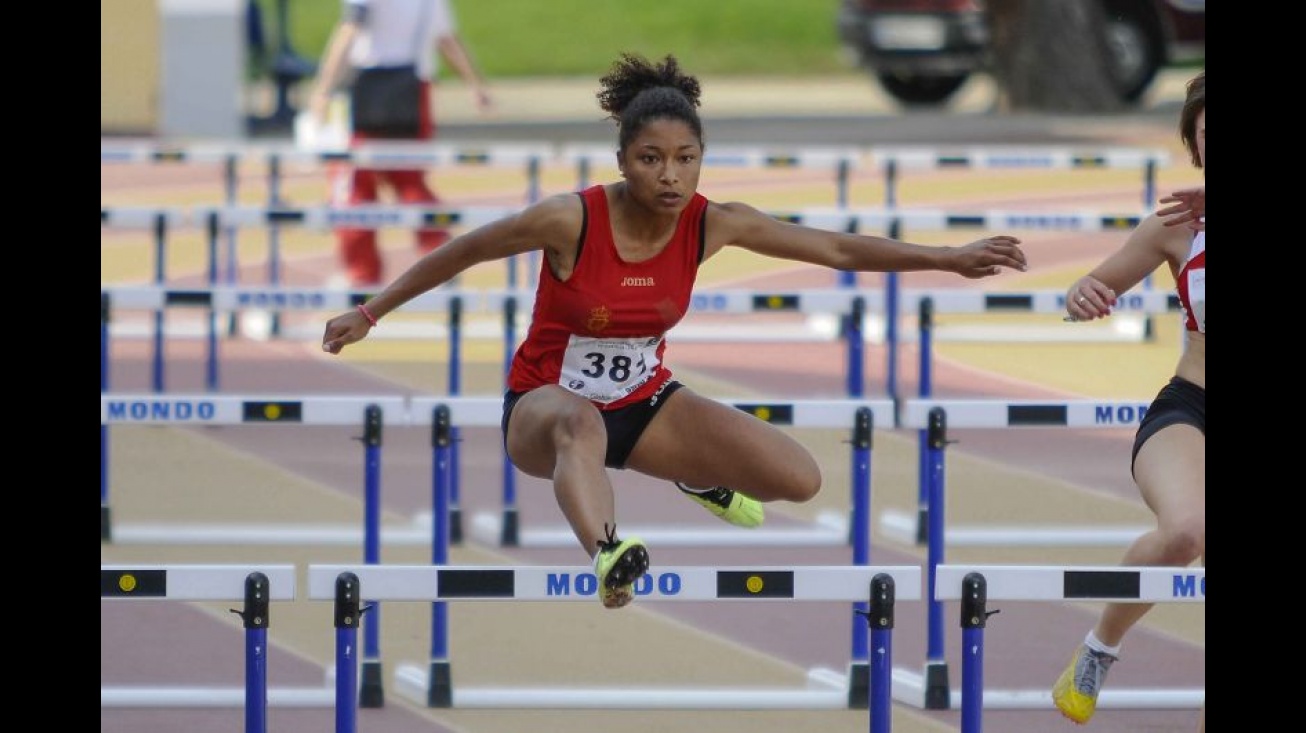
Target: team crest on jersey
600 317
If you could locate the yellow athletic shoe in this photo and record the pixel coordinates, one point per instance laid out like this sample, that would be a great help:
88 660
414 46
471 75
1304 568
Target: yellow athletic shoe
618 564
728 504
1075 692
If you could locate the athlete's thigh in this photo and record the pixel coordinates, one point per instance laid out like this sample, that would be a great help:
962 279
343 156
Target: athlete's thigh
705 442
1170 471
536 421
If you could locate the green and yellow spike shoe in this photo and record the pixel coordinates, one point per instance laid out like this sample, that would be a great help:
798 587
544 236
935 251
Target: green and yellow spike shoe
728 504
618 564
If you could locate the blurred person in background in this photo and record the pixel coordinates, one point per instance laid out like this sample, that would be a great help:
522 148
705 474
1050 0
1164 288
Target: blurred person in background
1169 453
378 34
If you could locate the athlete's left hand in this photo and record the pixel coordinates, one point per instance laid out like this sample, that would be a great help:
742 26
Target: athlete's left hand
988 256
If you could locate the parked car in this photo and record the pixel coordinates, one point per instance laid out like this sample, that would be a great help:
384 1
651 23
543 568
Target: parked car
923 51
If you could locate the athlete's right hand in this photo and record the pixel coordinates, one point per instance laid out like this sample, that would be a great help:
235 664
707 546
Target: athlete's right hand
343 330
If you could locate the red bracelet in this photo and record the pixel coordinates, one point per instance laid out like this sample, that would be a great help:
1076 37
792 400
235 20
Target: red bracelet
367 314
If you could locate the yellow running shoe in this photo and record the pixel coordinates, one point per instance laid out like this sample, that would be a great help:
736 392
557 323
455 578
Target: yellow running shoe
618 564
728 504
1075 692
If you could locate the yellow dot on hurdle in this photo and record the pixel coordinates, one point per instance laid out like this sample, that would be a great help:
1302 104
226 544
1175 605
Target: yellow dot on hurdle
127 582
272 412
754 584
763 413
775 301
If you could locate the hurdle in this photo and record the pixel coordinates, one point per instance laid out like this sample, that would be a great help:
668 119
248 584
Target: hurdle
878 587
451 301
934 416
975 585
256 586
830 530
194 410
831 218
375 154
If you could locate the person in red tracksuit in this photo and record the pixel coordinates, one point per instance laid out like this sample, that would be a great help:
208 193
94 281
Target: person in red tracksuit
381 33
589 388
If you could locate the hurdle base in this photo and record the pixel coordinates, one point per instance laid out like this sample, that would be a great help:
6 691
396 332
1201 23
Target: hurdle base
900 527
826 690
510 534
455 526
937 695
909 688
859 686
371 692
439 687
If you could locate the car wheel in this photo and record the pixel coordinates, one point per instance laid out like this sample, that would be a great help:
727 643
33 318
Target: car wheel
922 89
1133 59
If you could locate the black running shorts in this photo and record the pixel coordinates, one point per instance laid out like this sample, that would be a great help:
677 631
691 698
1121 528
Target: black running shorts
624 424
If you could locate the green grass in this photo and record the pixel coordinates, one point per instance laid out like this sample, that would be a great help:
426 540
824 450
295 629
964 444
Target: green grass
525 38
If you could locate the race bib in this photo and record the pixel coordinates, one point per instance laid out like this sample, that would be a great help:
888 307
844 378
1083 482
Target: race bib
1197 297
605 370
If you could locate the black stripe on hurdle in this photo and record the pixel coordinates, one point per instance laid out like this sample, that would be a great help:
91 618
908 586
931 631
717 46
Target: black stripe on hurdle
272 411
1087 161
1000 302
475 584
472 158
294 216
1119 222
187 297
1172 302
357 299
775 302
963 221
757 584
133 583
780 161
1102 584
440 218
1036 415
776 414
952 161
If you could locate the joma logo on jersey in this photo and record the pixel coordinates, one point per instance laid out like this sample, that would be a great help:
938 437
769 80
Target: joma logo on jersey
587 584
637 282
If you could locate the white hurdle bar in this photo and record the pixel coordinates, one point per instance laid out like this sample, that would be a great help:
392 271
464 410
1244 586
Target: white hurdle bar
831 529
827 689
1064 584
407 216
815 303
211 583
190 410
1021 413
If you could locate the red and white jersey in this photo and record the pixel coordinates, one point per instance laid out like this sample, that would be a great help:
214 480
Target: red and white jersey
399 32
1192 286
602 333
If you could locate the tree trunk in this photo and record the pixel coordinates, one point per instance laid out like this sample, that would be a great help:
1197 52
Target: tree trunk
1051 56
